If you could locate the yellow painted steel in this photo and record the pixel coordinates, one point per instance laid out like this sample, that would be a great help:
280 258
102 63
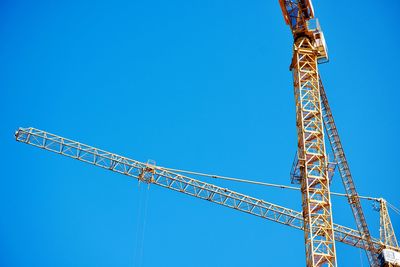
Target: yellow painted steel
386 230
316 203
347 178
312 114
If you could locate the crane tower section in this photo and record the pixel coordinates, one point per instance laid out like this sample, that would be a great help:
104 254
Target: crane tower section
309 48
299 15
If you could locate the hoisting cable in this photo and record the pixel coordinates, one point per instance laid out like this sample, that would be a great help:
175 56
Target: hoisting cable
361 260
393 208
142 211
254 182
214 176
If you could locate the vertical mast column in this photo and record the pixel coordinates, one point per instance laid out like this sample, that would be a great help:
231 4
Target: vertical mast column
386 230
316 203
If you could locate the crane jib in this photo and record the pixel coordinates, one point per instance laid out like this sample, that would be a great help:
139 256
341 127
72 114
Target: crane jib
180 183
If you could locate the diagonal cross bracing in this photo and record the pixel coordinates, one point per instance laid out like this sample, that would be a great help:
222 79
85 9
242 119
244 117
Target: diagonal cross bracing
347 179
180 183
317 209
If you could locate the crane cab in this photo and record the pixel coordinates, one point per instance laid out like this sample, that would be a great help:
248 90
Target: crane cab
389 258
295 12
299 15
314 29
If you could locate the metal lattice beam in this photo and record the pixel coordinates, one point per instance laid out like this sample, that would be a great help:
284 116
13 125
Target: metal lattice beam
316 202
180 183
346 176
386 230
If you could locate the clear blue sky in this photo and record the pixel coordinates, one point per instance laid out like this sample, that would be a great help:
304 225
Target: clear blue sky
198 85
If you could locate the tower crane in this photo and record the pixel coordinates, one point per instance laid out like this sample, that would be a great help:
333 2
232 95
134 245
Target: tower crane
314 121
309 48
313 113
177 181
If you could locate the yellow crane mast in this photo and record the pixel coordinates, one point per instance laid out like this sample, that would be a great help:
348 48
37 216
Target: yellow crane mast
386 230
387 257
309 46
315 123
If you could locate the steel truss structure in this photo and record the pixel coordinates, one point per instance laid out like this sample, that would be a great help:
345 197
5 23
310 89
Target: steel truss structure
316 202
299 15
386 230
345 174
311 168
177 182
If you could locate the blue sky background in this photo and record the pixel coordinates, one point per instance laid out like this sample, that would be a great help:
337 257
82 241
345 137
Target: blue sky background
197 85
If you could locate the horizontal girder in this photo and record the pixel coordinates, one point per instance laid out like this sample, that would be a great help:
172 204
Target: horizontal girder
177 182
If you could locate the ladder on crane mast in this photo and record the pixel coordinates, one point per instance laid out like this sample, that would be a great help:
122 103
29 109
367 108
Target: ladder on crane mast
312 168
